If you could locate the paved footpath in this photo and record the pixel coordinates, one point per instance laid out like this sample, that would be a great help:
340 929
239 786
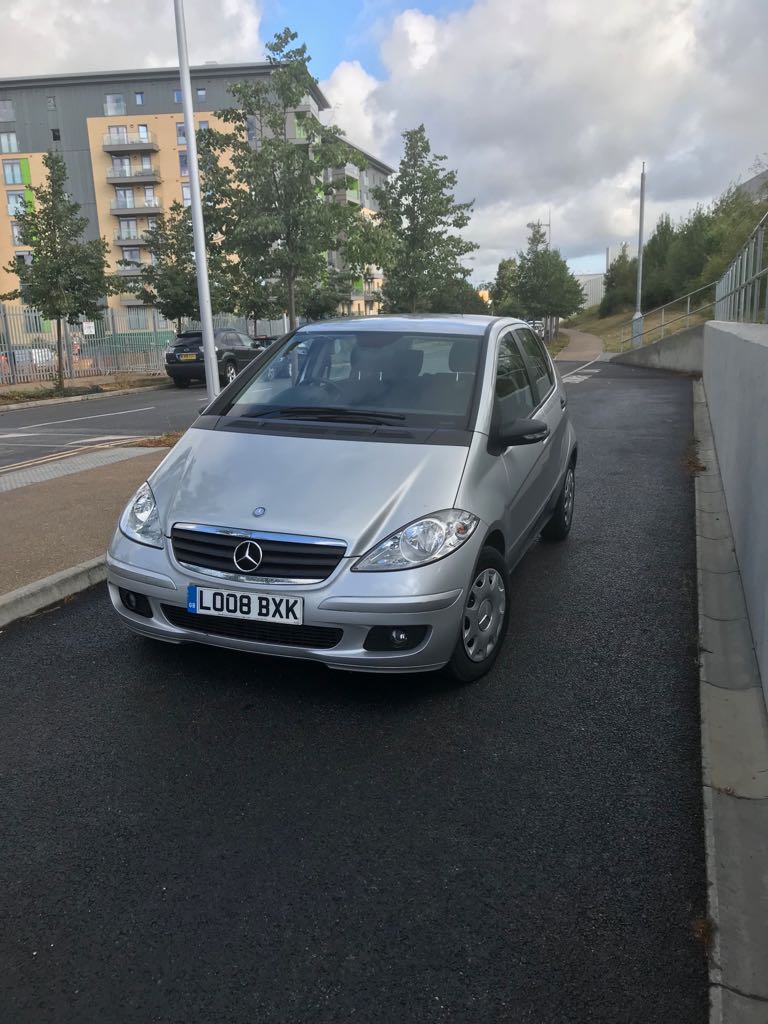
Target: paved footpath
581 347
193 836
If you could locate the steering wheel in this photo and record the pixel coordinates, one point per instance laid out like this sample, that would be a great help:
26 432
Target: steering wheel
322 382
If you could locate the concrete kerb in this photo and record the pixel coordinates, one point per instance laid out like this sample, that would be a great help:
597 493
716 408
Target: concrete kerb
35 597
734 740
12 406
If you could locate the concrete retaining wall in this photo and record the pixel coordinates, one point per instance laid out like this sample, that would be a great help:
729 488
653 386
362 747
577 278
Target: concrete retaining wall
736 385
682 352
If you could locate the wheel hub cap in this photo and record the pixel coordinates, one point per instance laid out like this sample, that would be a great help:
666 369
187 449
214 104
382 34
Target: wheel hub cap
483 615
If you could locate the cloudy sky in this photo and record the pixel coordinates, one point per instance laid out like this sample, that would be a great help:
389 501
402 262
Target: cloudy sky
539 104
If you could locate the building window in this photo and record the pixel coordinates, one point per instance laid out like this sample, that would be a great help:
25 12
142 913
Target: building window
177 95
203 126
12 172
183 164
301 128
149 195
143 131
114 103
15 203
138 99
7 112
24 257
124 199
152 222
8 142
56 134
186 195
117 133
146 162
201 94
137 318
50 102
181 134
16 233
121 167
129 227
131 255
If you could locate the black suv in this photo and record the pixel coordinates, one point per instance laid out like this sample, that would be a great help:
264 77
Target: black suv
184 360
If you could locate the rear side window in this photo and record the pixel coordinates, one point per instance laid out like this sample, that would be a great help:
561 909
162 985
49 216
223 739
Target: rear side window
513 389
538 361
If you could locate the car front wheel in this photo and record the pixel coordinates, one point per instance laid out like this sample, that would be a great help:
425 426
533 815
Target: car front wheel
484 619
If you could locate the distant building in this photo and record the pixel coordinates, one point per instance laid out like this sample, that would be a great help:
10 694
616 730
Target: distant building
757 187
594 288
122 136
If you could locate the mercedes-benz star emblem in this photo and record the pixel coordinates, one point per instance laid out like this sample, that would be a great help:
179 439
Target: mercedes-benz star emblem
247 556
259 511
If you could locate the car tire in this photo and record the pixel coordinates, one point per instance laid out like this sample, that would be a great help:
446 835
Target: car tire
559 526
230 371
181 382
478 646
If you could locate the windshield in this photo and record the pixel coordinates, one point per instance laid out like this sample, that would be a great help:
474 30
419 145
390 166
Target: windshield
423 379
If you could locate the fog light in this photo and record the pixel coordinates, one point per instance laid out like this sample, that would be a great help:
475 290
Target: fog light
136 603
394 638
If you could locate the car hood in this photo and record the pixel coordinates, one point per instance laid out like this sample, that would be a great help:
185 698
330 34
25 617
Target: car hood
355 491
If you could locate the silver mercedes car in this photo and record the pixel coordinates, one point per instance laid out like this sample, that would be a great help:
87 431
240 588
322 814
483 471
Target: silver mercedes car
363 509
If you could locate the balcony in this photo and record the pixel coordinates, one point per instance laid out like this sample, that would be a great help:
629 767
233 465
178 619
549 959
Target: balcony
122 238
132 271
130 142
139 207
133 175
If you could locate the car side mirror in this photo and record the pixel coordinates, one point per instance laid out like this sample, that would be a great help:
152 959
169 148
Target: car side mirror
518 432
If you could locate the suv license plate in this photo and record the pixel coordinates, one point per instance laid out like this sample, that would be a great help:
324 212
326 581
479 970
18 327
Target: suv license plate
234 604
187 356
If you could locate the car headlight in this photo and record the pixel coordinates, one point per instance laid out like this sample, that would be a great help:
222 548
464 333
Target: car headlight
419 543
141 521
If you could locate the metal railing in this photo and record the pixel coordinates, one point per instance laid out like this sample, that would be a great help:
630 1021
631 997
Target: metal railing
137 139
138 203
742 292
126 340
132 172
676 315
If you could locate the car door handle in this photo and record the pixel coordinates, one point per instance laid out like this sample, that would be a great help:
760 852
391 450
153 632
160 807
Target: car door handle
563 401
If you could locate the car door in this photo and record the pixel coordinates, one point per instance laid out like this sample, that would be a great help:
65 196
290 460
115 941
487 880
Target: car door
245 352
515 399
550 407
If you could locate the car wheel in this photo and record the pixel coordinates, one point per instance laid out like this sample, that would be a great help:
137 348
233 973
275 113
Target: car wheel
559 526
181 382
230 372
484 619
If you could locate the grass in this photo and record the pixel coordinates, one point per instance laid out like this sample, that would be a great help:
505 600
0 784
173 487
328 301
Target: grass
557 344
161 441
609 328
40 392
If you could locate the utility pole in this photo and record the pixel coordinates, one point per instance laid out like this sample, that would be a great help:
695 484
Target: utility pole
196 205
637 319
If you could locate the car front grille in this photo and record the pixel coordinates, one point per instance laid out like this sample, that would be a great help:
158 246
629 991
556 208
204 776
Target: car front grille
304 559
313 637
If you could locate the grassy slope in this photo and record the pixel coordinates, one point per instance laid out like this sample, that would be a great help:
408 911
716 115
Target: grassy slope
609 328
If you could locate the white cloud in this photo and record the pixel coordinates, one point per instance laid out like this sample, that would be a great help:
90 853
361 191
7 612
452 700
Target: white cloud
555 104
49 36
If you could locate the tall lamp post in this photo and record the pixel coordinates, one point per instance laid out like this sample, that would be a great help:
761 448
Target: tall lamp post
637 319
196 206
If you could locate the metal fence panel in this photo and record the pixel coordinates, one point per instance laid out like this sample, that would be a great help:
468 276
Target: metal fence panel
127 340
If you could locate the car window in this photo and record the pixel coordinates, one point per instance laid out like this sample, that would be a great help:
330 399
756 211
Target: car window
244 340
513 388
538 361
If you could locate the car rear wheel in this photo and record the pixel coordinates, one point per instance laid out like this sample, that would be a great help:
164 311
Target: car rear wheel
181 382
230 371
559 526
484 619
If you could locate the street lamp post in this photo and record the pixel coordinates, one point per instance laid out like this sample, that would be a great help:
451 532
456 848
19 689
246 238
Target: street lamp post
637 319
196 206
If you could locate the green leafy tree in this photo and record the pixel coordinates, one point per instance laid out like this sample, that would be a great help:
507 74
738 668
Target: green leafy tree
545 286
321 299
620 284
458 296
270 196
503 289
656 284
420 250
67 278
169 281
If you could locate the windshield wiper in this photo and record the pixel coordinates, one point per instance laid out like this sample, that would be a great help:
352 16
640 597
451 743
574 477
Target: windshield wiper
331 414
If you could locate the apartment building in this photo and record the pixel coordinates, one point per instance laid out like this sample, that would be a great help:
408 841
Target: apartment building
122 136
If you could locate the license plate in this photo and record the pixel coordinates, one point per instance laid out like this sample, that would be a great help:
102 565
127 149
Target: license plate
234 604
187 356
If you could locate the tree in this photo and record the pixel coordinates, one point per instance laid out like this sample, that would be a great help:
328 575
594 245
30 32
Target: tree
419 216
169 281
503 290
620 284
67 277
458 296
321 299
270 196
656 284
545 286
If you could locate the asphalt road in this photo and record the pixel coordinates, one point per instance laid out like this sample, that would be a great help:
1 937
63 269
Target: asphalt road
197 837
71 426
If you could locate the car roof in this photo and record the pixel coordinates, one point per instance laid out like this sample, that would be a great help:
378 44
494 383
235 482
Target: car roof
427 323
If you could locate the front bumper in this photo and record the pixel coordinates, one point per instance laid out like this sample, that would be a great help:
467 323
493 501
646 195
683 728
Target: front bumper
431 595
